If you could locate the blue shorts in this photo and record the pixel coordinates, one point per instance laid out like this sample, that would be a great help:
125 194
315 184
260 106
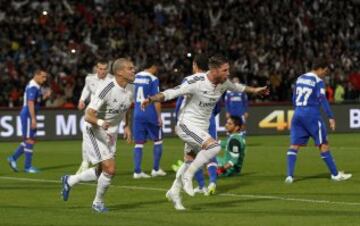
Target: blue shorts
304 127
27 131
145 130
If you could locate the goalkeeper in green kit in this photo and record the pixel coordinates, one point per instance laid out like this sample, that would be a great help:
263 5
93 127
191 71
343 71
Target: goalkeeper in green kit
234 149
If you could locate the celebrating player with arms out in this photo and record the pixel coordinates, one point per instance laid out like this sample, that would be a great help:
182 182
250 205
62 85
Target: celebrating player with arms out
102 118
309 94
203 92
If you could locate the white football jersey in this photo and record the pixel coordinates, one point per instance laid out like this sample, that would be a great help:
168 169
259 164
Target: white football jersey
201 98
92 83
111 102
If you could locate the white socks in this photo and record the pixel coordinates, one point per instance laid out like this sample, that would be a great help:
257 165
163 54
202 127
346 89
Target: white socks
202 158
102 185
87 175
177 184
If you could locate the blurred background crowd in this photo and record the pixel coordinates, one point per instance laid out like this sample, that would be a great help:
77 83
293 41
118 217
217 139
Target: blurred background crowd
268 42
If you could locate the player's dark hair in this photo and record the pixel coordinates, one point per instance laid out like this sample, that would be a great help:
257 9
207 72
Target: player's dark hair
217 60
237 120
320 63
151 61
201 60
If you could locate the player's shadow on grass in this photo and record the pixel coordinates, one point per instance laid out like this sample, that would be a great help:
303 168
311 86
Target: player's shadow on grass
58 167
239 179
227 204
313 177
135 205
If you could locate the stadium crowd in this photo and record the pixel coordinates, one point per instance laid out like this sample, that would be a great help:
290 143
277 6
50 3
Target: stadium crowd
269 42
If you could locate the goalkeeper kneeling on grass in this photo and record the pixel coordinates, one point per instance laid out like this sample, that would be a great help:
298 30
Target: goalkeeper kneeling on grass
231 162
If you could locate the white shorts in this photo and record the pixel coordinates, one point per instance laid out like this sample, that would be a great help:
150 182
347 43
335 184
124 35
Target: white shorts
98 144
193 137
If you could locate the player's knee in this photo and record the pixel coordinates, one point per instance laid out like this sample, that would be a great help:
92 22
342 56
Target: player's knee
30 141
294 147
324 147
110 170
209 142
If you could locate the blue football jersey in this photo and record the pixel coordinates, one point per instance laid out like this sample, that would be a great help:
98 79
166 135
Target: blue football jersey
236 103
32 92
145 85
309 95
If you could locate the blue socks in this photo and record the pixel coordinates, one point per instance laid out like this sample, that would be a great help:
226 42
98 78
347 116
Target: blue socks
199 177
157 152
291 160
212 167
138 152
28 150
19 151
328 159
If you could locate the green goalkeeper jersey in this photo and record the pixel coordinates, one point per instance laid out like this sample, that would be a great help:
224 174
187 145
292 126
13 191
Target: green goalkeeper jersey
234 153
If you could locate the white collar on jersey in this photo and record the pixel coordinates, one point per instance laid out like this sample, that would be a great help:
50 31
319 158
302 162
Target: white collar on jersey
34 83
311 74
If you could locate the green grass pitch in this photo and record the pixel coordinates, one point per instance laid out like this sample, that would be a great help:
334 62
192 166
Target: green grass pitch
257 197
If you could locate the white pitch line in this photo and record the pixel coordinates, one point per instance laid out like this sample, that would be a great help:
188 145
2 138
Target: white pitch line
222 194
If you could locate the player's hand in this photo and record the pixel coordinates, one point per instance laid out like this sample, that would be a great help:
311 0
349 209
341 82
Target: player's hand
127 134
262 91
33 123
332 124
47 93
145 103
81 105
103 124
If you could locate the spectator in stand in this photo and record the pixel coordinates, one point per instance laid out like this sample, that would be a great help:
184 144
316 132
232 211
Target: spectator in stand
266 40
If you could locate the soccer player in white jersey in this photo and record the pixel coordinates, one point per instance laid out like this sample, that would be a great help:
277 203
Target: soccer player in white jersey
92 82
203 92
109 106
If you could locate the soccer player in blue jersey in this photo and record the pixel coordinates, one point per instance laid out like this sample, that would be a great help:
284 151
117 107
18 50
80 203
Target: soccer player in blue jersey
308 96
32 99
200 65
148 123
236 104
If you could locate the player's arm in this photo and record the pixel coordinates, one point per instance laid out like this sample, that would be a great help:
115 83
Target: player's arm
326 106
91 112
170 94
32 95
234 151
238 87
85 94
245 105
31 106
127 126
156 90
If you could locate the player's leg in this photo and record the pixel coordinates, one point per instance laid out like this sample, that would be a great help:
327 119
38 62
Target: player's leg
19 151
29 147
212 171
85 164
155 134
14 157
173 194
298 136
104 181
212 165
200 179
319 135
94 155
140 138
